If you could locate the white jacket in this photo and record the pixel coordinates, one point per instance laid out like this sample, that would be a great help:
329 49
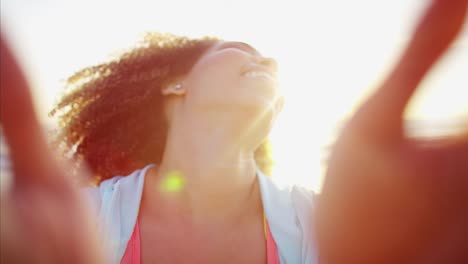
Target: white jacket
288 211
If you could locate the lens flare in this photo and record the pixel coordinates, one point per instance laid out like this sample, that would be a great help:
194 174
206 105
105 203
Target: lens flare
172 182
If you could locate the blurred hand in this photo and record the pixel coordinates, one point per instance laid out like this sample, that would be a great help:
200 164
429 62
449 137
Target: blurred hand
43 219
387 198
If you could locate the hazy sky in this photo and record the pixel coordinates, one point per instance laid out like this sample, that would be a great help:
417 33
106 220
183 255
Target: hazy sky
330 54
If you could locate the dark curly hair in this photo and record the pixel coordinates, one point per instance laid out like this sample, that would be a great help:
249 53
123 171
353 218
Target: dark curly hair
111 115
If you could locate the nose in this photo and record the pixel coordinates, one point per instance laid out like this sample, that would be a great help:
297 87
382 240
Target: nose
268 62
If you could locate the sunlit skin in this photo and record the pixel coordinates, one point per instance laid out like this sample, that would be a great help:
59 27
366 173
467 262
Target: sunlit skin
386 199
228 116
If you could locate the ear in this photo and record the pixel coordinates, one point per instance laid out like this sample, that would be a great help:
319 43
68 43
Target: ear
177 89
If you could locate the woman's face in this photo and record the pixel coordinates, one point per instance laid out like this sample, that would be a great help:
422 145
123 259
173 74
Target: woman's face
232 76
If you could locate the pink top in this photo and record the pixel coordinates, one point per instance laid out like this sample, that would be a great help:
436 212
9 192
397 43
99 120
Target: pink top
132 253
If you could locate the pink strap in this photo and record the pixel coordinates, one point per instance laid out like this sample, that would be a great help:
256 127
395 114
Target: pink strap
272 249
133 251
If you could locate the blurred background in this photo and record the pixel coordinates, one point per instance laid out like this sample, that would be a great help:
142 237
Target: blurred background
331 55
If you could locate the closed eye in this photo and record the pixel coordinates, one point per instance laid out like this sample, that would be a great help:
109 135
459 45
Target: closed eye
239 45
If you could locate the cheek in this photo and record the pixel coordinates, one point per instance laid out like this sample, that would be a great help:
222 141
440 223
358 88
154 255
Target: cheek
218 71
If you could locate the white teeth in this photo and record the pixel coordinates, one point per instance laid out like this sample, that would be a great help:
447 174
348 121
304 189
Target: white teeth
254 74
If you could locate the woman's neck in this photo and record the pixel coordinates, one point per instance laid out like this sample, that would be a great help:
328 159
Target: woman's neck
206 173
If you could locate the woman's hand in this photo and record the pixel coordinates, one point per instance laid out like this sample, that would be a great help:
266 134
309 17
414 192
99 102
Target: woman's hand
43 219
388 198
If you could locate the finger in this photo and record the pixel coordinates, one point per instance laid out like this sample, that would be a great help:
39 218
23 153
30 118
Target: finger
380 117
30 157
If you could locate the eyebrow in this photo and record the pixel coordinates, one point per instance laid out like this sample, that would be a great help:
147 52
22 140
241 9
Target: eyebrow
240 45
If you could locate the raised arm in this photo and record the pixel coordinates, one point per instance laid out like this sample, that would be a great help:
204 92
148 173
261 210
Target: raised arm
43 219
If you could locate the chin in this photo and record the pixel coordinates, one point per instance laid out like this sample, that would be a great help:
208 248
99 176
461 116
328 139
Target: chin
261 85
257 106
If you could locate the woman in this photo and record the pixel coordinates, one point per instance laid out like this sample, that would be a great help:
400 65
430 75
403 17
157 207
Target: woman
198 111
187 209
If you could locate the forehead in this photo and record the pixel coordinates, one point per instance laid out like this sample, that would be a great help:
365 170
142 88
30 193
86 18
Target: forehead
236 45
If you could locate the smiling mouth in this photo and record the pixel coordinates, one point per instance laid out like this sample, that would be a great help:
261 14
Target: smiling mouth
259 74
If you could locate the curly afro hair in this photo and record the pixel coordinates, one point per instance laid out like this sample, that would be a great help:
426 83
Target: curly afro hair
111 115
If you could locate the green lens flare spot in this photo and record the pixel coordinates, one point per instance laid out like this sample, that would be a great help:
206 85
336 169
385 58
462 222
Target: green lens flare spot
172 182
